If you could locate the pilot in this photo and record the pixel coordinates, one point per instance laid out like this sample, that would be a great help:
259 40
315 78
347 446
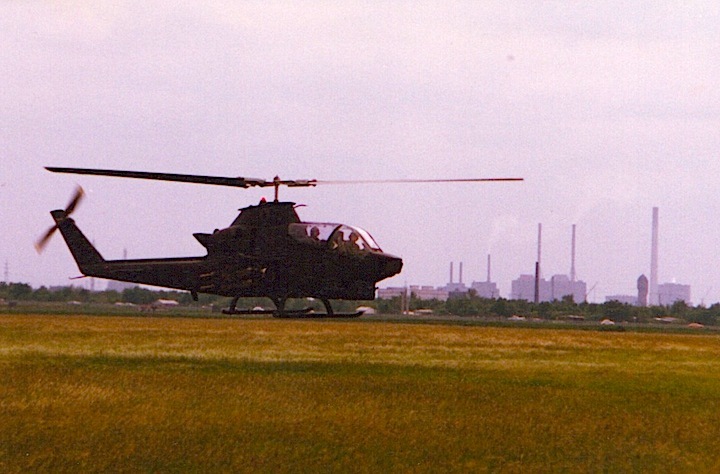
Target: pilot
353 245
315 233
336 242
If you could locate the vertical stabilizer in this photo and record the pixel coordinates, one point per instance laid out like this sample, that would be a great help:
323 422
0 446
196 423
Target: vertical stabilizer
81 248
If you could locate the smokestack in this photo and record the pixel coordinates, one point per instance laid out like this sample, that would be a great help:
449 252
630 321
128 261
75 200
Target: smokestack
572 256
451 272
460 281
537 282
654 299
488 269
539 247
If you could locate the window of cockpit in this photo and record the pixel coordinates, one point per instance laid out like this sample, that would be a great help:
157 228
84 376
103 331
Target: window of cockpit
367 238
348 239
311 233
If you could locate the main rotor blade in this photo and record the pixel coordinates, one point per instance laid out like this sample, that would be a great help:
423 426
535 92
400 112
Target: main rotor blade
400 181
238 182
241 182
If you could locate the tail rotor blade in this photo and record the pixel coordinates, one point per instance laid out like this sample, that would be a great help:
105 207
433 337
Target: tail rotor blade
42 242
79 194
59 217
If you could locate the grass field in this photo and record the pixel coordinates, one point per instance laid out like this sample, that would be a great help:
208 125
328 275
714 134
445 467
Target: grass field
134 394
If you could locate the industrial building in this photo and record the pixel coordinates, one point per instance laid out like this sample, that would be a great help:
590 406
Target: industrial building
624 299
557 288
650 291
453 289
419 292
537 289
669 293
486 289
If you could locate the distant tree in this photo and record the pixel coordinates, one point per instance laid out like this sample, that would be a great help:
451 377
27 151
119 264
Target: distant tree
19 291
544 310
138 295
679 309
617 311
500 307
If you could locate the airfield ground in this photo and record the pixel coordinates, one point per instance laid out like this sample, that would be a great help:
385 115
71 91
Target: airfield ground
129 394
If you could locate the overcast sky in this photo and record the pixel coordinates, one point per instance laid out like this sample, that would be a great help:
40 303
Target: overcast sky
605 108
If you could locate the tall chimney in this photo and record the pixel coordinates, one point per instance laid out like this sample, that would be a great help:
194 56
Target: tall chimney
539 248
572 256
537 283
460 277
488 269
451 272
654 297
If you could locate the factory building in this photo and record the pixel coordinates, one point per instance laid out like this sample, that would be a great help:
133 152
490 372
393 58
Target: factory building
669 293
486 289
536 288
640 300
453 289
557 288
624 299
420 292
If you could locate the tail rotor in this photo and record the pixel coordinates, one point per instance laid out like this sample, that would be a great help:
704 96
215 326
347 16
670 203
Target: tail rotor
59 217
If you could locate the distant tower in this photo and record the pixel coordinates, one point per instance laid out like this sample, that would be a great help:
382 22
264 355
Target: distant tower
451 272
488 269
642 287
460 276
654 297
539 246
572 256
536 298
537 266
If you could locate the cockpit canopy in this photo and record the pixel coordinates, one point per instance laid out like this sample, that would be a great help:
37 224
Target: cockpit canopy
334 236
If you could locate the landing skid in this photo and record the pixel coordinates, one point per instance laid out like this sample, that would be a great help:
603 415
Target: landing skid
313 315
271 312
280 312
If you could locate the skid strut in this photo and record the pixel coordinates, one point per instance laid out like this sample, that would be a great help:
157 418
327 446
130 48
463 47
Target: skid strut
281 312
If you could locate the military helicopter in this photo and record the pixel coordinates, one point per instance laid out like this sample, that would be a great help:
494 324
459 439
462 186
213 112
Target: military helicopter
267 251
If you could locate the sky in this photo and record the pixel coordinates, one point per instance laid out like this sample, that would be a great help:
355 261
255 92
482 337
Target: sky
606 109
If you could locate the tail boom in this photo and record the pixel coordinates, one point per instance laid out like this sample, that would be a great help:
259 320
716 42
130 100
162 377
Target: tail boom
179 273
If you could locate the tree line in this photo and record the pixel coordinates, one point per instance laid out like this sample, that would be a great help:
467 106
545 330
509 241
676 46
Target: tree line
469 305
564 309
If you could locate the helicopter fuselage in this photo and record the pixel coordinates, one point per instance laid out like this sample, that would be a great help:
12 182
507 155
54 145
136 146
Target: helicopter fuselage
266 252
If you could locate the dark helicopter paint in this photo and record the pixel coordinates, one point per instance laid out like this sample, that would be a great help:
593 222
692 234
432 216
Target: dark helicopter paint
266 252
254 257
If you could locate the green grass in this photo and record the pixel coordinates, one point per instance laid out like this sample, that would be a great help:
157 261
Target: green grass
134 394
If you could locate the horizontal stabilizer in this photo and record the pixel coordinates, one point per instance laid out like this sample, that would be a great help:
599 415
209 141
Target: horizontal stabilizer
204 239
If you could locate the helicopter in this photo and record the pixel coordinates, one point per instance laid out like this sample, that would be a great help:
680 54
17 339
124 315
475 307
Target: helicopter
267 251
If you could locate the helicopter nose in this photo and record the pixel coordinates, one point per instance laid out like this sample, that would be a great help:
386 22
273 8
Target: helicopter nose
393 265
